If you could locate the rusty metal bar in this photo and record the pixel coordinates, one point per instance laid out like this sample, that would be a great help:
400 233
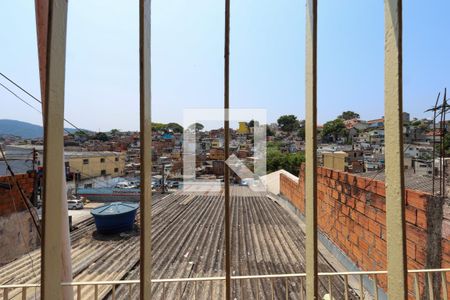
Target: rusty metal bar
51 270
146 146
395 186
375 287
361 287
346 287
286 288
226 106
24 293
430 286
310 147
444 286
416 287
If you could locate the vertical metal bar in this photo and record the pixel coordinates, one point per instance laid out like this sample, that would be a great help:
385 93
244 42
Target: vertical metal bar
330 287
226 106
273 290
51 263
286 288
95 292
346 287
444 286
310 146
212 290
179 290
416 287
195 290
113 292
24 293
301 290
395 186
129 292
5 294
361 287
257 289
146 146
164 290
375 286
430 286
79 292
240 289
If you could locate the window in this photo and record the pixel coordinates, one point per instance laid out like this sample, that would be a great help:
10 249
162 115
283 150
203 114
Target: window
85 161
102 160
116 170
103 172
117 159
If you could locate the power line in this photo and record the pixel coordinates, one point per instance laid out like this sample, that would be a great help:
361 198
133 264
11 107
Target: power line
33 97
17 96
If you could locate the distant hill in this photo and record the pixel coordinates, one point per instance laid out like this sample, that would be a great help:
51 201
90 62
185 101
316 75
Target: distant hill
23 129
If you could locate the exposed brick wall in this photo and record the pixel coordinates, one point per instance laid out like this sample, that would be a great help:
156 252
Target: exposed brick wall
26 182
352 213
18 234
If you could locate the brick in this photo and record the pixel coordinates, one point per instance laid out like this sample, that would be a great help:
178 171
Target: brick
410 249
375 227
415 234
363 221
361 182
378 202
371 212
381 189
381 217
360 206
380 245
421 219
410 215
351 202
416 199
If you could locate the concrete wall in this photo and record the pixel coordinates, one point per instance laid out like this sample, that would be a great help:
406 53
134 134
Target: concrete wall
352 214
112 163
17 232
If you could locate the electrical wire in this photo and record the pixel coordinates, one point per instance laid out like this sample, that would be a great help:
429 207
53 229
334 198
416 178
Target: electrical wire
34 98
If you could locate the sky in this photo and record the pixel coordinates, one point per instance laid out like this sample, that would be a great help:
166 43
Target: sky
267 58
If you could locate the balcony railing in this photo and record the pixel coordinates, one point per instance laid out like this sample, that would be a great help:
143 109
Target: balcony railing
173 288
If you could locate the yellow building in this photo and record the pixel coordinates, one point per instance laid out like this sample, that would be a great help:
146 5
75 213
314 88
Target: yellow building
335 160
94 164
243 128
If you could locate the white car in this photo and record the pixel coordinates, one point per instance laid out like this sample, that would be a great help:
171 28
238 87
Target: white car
75 204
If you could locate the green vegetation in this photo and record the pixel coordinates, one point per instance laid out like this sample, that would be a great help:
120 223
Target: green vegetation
175 127
101 136
348 115
196 127
333 129
288 123
277 160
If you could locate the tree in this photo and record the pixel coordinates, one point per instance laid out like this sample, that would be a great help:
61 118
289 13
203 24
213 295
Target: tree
101 136
288 123
114 132
269 131
348 115
333 129
175 127
276 160
196 127
158 126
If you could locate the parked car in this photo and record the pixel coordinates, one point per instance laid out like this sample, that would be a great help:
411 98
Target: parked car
173 184
75 204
